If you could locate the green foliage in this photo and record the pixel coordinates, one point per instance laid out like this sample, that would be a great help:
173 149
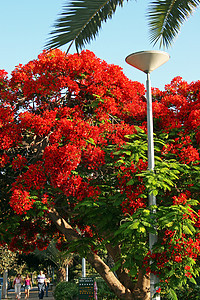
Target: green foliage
103 292
166 17
188 291
134 229
80 21
8 258
172 295
66 291
58 258
69 291
163 176
176 217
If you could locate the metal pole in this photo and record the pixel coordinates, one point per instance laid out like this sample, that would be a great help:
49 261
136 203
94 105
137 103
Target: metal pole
83 268
152 199
67 272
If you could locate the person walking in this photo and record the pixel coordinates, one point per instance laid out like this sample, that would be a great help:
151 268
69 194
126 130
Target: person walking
41 279
47 284
28 286
17 284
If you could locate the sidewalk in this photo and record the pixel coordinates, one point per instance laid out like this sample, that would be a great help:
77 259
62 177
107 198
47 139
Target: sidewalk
33 294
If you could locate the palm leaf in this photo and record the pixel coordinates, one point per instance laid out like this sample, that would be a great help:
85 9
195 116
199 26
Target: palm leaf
59 258
81 21
166 17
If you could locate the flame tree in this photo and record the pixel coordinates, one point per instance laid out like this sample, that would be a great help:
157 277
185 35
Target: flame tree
74 168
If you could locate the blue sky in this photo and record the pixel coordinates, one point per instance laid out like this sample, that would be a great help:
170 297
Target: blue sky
25 26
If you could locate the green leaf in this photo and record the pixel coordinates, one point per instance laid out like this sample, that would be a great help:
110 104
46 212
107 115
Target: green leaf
131 182
186 230
166 17
141 229
192 280
172 294
134 225
91 141
81 21
146 224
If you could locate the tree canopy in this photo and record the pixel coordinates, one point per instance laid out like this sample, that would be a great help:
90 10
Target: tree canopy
74 168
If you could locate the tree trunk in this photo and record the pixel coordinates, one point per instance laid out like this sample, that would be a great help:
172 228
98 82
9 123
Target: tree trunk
142 287
140 291
5 284
61 274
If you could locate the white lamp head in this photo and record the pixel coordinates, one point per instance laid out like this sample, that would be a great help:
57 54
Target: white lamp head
147 61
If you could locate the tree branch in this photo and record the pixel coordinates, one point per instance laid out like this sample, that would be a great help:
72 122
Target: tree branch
71 235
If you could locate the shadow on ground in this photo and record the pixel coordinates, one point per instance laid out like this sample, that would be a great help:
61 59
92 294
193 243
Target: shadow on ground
33 294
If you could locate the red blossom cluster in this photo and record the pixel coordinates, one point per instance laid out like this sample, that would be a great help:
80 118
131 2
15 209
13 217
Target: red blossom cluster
181 199
177 250
183 148
19 162
32 235
20 201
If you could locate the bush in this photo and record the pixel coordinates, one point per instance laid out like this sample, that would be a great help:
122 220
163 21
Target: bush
104 292
66 291
69 291
187 291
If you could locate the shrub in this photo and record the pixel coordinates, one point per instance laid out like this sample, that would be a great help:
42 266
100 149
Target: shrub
66 291
188 291
104 292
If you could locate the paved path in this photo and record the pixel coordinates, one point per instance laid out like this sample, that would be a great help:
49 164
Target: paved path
33 294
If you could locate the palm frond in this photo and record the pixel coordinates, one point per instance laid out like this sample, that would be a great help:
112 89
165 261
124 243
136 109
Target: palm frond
81 21
59 258
166 17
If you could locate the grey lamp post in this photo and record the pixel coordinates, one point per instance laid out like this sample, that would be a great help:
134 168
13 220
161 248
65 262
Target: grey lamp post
148 61
83 267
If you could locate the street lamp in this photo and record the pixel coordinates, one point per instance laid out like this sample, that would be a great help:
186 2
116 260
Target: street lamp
148 61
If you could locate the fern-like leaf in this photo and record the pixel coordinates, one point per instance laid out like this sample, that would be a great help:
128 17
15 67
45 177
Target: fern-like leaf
81 21
166 17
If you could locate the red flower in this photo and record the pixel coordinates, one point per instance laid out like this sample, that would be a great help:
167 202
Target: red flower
188 274
158 290
178 258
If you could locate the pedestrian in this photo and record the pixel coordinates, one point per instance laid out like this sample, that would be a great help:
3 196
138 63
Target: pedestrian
28 286
17 284
47 284
41 279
